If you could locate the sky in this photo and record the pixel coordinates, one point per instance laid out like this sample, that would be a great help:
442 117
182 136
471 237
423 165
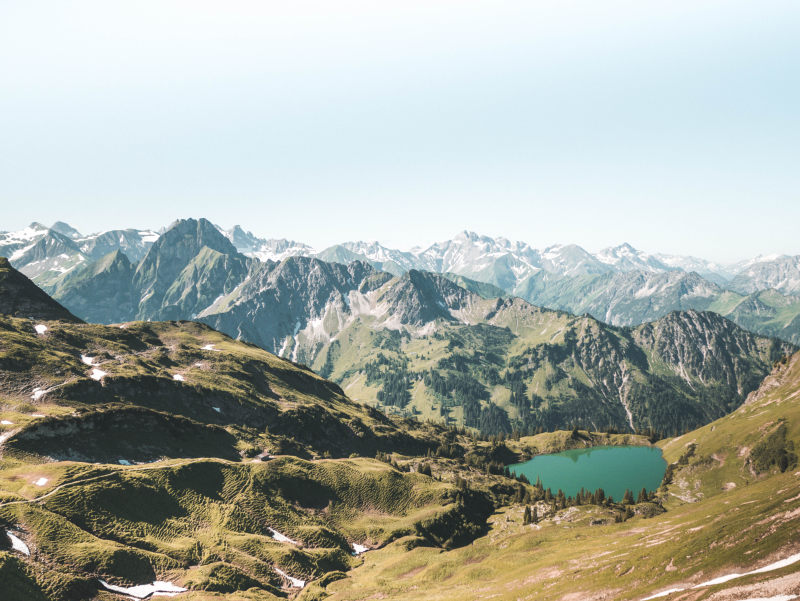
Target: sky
674 126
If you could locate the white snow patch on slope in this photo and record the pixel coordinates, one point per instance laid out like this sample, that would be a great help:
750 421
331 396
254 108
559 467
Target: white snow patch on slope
285 344
296 582
20 252
40 328
90 361
282 537
723 579
178 377
41 482
144 591
210 347
5 422
359 549
97 374
296 341
18 545
39 393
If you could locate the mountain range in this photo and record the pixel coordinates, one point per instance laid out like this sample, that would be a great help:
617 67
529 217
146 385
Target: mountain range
497 261
418 344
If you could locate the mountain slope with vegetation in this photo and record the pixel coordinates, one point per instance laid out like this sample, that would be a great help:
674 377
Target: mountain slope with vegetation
732 496
424 346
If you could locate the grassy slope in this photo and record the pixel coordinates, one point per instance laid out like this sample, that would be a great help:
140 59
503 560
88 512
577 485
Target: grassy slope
183 519
178 514
723 530
262 401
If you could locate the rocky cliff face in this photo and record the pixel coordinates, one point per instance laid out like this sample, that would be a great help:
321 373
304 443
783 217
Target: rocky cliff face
278 300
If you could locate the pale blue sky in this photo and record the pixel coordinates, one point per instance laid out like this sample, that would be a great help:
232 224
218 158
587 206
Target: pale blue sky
671 125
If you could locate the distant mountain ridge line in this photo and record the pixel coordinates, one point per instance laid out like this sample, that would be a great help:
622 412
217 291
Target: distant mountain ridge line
553 258
619 285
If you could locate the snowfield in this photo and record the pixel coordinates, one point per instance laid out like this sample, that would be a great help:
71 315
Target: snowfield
282 537
97 374
145 591
723 579
18 545
296 582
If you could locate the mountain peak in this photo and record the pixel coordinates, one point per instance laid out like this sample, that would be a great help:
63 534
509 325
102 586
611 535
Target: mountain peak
66 229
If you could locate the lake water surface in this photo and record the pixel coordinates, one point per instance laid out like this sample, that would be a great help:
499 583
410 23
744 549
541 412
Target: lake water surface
611 468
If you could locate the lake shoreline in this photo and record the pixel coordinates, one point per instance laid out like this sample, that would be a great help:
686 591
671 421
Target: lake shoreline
613 469
548 443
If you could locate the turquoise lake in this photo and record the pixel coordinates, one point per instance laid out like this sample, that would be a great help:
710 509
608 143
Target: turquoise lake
611 468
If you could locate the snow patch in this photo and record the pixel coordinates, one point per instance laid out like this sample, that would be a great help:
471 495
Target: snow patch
359 549
123 462
90 361
40 328
723 579
5 422
210 347
285 344
178 377
39 393
18 545
41 482
98 374
282 537
295 582
217 409
144 591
